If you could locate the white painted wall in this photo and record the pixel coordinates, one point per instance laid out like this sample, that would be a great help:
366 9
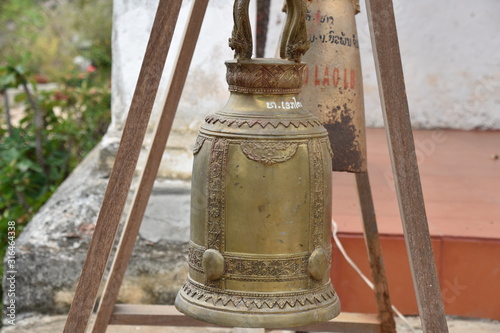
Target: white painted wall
205 90
450 52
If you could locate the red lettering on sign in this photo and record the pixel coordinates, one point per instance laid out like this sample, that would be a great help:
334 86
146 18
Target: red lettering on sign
332 79
336 77
317 82
326 78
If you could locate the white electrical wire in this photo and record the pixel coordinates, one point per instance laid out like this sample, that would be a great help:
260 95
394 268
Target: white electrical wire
356 268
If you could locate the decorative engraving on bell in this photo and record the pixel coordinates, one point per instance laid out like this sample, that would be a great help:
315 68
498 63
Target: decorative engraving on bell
333 87
260 248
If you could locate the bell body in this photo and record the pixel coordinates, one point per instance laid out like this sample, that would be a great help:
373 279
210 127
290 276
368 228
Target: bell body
260 251
333 87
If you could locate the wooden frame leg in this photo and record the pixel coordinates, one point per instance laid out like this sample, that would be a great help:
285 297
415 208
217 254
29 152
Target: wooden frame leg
123 170
146 183
372 240
404 164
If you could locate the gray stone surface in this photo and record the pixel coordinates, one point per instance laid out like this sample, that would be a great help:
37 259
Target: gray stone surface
53 246
167 215
41 324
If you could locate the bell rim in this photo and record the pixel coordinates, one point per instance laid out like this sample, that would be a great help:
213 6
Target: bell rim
258 318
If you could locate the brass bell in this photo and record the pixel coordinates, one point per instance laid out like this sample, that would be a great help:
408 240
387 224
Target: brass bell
260 247
333 87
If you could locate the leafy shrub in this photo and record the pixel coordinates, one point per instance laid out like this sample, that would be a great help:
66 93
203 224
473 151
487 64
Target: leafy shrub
55 33
58 127
37 155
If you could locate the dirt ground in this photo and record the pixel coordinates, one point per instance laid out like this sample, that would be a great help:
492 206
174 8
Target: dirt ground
54 324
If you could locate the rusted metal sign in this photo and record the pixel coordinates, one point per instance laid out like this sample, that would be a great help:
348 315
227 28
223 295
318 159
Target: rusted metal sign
333 87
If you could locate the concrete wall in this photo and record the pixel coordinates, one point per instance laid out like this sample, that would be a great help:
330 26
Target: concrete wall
205 90
450 60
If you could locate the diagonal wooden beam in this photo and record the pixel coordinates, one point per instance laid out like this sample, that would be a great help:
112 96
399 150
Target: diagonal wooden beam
124 167
140 201
404 164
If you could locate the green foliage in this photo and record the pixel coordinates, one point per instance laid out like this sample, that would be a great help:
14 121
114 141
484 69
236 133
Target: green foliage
93 23
75 117
58 128
55 32
11 76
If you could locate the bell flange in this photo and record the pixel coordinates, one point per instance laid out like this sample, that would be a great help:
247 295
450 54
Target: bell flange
273 310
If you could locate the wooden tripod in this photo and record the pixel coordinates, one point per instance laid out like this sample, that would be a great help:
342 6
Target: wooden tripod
403 158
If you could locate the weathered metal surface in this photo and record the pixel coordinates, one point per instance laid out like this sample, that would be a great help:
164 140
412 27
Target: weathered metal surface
333 87
260 251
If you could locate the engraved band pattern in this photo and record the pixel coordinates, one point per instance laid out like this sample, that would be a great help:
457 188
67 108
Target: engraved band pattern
222 298
255 268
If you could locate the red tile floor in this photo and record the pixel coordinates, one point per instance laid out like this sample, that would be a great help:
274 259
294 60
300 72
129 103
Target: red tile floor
460 174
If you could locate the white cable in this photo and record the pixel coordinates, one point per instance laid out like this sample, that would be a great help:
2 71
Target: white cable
363 276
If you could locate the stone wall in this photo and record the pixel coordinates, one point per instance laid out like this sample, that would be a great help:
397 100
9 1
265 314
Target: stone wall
52 248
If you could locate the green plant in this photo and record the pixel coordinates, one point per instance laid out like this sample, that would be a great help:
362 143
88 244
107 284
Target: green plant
35 159
55 33
14 76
